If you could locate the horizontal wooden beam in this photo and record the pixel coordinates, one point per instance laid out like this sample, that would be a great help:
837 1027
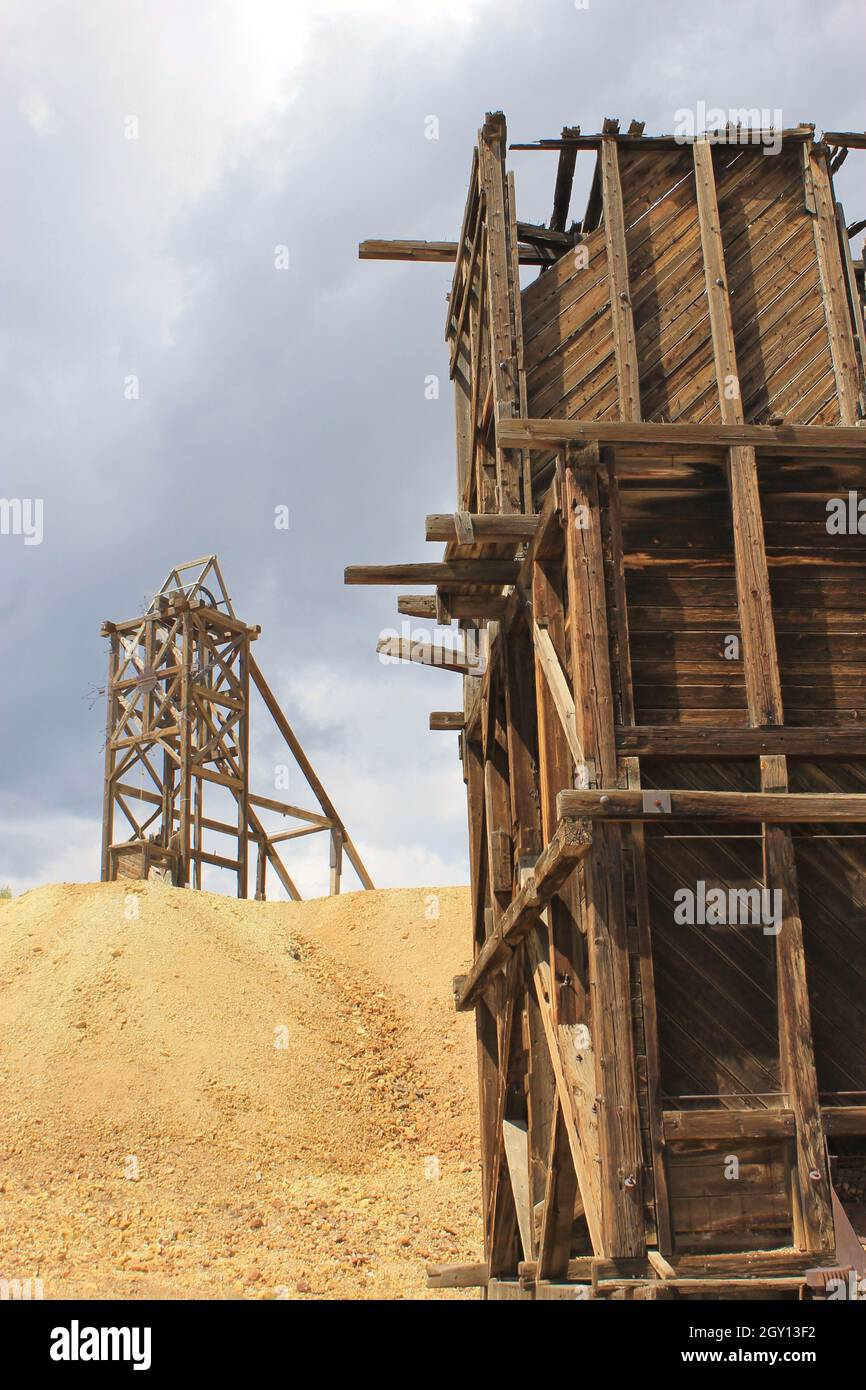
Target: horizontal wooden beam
734 135
850 139
218 861
570 842
545 236
447 721
771 807
397 250
430 654
268 803
443 252
724 741
517 433
747 1264
204 612
298 834
844 1119
494 572
468 527
728 1124
136 793
147 737
457 1276
470 606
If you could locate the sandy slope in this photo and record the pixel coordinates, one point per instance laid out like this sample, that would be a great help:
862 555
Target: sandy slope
201 1097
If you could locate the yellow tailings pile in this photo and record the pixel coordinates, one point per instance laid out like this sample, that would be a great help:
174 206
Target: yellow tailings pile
201 1097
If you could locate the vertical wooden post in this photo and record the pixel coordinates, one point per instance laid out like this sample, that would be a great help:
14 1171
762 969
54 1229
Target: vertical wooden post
522 727
635 838
502 295
485 1023
244 761
336 860
197 721
839 325
108 778
497 801
628 769
187 646
261 870
716 286
606 928
811 1206
620 296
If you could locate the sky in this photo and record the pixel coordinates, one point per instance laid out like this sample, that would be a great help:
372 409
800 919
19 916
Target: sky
189 342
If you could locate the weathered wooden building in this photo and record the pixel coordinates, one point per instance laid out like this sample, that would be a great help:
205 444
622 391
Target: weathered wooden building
661 489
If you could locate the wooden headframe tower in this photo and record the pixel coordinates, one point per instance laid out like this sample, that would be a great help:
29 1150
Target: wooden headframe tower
179 689
663 747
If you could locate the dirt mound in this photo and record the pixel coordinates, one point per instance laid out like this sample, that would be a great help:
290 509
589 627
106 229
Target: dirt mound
208 1098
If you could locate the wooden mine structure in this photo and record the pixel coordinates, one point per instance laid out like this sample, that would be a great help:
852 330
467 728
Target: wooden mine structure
179 689
657 437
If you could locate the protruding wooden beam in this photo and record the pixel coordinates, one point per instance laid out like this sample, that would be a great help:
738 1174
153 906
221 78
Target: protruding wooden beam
493 572
850 139
442 252
447 721
417 606
471 606
482 526
457 1276
564 179
555 237
430 654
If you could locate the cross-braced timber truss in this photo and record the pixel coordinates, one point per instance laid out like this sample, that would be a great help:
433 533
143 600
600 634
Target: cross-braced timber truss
179 690
672 694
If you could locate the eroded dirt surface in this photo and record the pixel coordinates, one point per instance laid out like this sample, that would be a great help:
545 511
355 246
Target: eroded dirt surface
206 1098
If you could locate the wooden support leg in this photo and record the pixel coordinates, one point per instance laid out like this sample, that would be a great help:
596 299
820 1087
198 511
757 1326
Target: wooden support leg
811 1208
261 870
605 920
635 847
336 859
108 781
811 1205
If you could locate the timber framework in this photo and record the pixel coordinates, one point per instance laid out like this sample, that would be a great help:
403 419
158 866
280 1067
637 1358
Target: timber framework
659 532
181 681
